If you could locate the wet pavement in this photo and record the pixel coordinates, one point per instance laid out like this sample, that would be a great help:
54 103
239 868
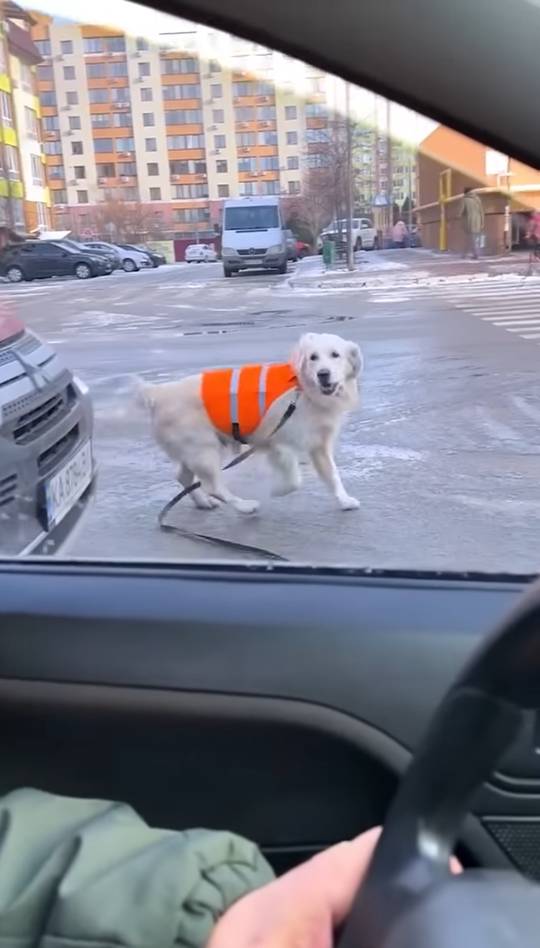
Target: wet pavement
444 452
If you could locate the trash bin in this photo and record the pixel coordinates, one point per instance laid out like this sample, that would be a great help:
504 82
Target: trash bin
328 252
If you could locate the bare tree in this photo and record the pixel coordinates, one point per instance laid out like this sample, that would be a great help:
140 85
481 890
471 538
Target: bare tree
314 206
121 220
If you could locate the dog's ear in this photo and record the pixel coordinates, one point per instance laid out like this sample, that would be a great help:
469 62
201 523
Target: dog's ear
299 354
354 355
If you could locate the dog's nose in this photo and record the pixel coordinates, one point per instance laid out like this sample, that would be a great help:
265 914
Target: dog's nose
324 376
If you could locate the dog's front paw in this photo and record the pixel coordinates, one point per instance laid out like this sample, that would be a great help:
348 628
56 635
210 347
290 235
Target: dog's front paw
348 503
247 506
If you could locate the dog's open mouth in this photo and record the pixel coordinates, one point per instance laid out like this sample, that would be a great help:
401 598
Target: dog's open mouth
328 388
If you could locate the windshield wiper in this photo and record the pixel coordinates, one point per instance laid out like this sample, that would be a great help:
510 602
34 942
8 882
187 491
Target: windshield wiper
245 230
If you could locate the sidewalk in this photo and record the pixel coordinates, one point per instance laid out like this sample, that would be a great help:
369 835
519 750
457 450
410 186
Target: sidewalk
416 267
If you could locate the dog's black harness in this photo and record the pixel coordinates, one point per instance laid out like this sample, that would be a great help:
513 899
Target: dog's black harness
205 538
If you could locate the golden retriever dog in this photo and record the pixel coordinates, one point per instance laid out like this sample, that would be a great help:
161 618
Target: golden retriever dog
196 419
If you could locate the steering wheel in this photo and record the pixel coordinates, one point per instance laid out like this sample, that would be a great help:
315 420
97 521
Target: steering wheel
409 899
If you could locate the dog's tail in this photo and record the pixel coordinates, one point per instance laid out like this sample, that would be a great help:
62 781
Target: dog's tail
145 394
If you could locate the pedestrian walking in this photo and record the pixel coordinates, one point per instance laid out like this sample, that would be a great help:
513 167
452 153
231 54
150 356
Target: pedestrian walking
533 239
399 234
472 217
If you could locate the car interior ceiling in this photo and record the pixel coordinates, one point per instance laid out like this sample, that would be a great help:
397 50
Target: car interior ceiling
286 704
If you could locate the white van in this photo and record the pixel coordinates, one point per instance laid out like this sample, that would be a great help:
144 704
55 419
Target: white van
253 235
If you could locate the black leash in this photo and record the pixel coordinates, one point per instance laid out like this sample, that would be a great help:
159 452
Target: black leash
204 537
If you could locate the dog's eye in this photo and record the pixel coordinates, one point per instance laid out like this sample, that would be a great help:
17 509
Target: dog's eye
335 355
314 357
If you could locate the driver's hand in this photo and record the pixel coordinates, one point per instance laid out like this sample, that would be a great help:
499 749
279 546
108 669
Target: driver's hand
303 908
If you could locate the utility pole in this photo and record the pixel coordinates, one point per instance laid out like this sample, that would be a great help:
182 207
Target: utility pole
410 189
349 178
389 170
4 33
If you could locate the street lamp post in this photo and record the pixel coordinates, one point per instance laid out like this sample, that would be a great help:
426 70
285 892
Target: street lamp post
349 176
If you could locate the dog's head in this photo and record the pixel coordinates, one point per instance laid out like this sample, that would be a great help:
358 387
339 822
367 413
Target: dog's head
324 363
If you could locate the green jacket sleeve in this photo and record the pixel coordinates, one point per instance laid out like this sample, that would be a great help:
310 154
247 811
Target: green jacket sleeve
92 874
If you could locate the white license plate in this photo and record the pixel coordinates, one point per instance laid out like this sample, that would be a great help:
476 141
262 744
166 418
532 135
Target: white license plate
64 489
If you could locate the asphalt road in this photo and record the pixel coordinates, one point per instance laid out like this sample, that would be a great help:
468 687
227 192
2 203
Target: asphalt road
444 453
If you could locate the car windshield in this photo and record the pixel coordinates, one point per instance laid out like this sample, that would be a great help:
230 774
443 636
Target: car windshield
250 218
345 286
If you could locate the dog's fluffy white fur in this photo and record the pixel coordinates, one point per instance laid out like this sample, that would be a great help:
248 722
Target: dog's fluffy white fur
327 368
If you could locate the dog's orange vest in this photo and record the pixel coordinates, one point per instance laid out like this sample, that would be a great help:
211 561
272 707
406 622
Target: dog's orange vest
237 400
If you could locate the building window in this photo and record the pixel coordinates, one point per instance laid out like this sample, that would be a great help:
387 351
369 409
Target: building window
103 145
170 67
293 162
266 113
75 122
125 144
44 46
146 94
106 170
148 119
76 148
252 88
187 91
315 110
186 166
292 138
6 114
244 113
37 169
152 168
98 96
290 111
220 141
79 171
183 191
12 162
101 119
269 163
66 46
59 197
223 190
214 66
72 98
50 122
150 144
96 70
31 122
144 70
184 117
122 119
246 187
118 70
221 167
93 45
185 141
127 168
267 138
142 44
269 187
246 139
218 115
45 73
56 171
191 214
52 148
155 194
47 98
120 95
26 77
82 197
69 72
216 90
294 187
247 164
42 214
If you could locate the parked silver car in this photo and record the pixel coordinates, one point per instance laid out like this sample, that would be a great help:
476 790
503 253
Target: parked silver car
47 468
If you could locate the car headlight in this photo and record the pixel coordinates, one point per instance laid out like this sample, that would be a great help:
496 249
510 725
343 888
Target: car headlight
277 248
228 252
81 386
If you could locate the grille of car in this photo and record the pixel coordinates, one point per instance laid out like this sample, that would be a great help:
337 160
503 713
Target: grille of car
252 251
33 423
8 489
57 451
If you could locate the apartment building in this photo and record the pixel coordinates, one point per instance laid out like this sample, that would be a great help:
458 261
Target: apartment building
24 196
178 126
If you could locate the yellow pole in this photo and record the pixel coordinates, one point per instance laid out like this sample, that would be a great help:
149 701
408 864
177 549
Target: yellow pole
444 194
